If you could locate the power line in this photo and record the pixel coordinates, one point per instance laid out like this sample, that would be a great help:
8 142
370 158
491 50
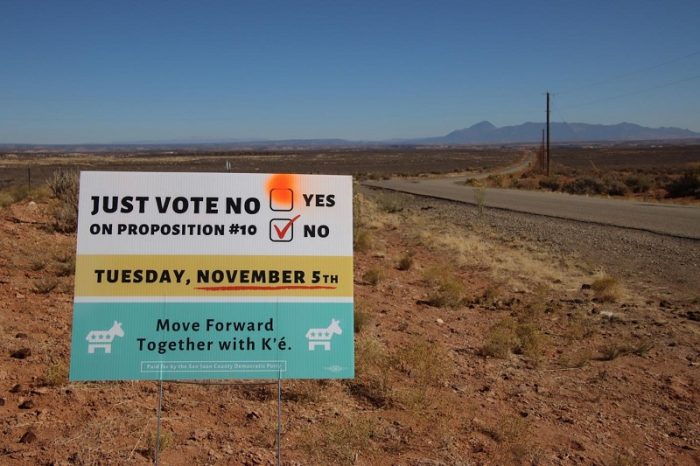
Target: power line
639 91
629 73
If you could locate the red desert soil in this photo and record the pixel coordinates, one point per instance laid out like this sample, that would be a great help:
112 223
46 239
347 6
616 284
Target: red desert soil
480 352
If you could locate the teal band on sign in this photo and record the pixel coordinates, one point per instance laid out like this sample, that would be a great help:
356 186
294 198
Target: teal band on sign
173 341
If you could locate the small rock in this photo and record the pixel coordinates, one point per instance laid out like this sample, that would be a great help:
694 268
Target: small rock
21 353
664 303
28 437
586 286
440 321
693 315
577 445
31 205
607 314
22 336
16 388
40 391
253 415
19 296
2 401
26 404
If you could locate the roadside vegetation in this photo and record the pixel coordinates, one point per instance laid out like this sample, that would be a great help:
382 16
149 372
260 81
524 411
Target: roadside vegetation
470 347
648 173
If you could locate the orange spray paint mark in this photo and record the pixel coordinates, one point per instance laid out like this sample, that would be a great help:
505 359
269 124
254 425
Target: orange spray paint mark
283 190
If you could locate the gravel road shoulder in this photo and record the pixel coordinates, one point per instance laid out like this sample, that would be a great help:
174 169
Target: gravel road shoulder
661 266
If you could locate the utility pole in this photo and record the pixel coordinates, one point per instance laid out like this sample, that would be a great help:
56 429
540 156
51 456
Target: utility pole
548 134
540 155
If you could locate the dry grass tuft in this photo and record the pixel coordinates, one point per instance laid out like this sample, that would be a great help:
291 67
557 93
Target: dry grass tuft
406 261
13 194
361 318
374 380
64 188
501 339
607 289
362 241
56 374
341 440
447 289
166 441
613 350
518 337
373 275
45 285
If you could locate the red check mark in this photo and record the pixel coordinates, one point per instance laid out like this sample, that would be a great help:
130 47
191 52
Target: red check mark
283 231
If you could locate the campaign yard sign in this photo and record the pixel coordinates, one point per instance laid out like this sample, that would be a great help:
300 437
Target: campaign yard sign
213 276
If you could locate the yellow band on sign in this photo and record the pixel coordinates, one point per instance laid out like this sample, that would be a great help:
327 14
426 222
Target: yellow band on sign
208 275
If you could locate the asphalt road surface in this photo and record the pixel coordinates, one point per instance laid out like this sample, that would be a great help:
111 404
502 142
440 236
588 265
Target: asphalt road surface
667 219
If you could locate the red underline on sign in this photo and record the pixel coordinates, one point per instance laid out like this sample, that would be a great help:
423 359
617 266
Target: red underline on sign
264 288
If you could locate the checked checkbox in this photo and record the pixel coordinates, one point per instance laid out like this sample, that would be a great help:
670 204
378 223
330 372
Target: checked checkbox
282 229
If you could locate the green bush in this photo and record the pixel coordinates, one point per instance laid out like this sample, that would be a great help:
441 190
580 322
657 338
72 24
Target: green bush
585 185
64 185
638 183
616 188
688 185
551 183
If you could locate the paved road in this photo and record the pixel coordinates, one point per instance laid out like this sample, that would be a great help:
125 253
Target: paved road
674 220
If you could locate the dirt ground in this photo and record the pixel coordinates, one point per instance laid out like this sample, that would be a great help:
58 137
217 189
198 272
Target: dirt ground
472 347
35 168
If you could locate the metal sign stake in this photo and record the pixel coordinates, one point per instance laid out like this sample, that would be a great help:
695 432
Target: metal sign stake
160 406
279 418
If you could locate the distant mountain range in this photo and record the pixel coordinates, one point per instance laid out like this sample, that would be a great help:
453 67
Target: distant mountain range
486 133
480 133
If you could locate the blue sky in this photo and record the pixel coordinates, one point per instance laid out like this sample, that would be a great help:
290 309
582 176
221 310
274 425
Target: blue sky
110 71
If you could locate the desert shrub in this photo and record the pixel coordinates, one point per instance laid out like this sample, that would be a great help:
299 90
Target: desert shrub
499 181
508 429
56 374
37 264
448 290
374 378
585 185
64 186
501 339
373 275
361 318
530 341
390 203
510 336
152 443
616 188
512 432
688 185
526 183
552 183
613 350
362 241
428 363
65 269
13 194
639 183
340 441
578 327
406 261
643 347
575 359
607 289
480 198
45 285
